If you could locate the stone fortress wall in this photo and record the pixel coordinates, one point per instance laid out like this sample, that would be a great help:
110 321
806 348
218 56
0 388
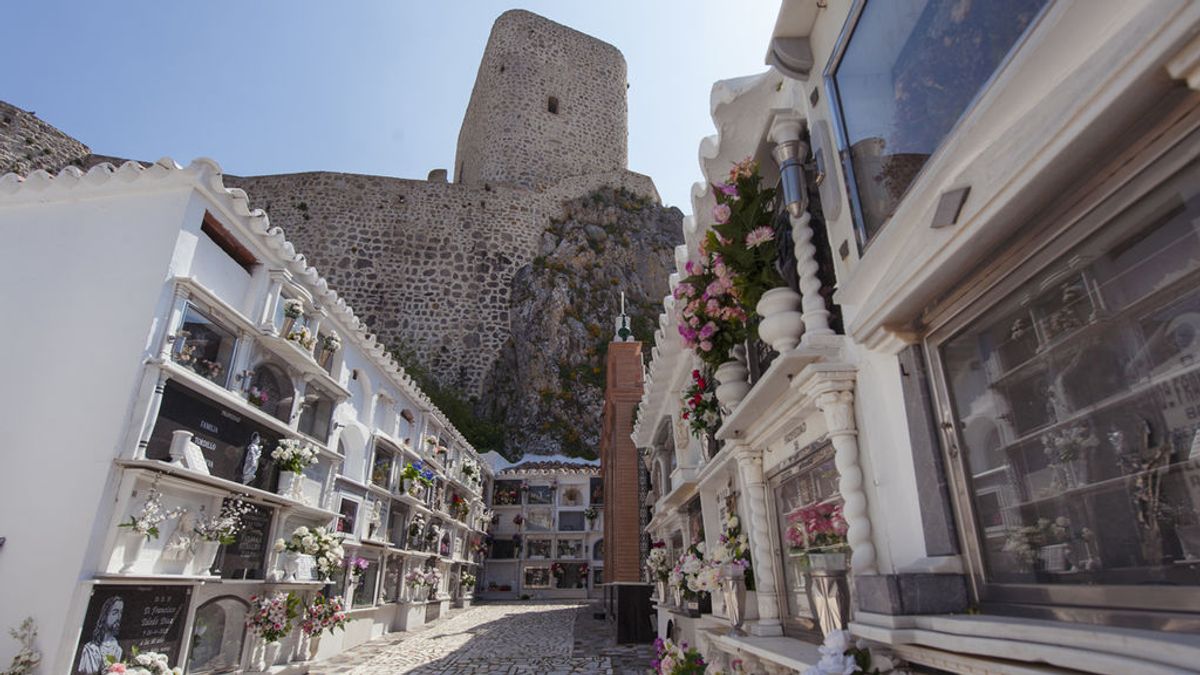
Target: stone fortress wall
510 135
428 263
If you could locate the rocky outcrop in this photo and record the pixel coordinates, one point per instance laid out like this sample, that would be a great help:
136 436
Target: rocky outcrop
547 388
28 144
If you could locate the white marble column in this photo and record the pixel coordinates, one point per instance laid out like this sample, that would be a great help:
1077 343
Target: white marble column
174 322
755 490
267 318
837 404
151 417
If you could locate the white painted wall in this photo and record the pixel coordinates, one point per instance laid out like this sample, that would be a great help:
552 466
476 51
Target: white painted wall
83 283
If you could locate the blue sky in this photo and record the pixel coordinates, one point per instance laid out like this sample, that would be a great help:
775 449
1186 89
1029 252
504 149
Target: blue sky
374 87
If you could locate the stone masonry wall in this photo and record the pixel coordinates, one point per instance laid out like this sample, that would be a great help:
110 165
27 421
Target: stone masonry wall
509 135
421 262
28 144
427 264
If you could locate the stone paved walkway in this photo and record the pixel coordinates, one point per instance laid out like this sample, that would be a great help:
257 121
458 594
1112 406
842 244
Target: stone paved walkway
518 638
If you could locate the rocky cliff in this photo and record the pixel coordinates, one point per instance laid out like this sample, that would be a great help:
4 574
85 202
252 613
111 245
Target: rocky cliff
547 388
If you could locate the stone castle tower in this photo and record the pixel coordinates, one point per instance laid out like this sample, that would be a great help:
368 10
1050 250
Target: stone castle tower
549 102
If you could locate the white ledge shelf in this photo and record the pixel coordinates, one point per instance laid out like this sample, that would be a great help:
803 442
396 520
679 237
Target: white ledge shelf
192 480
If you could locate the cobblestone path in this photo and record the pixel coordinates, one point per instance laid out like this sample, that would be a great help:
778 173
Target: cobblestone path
519 638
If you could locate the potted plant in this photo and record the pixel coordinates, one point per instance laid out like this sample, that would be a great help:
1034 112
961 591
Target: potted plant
329 345
321 615
324 546
700 407
712 322
672 659
294 456
144 526
432 579
658 567
257 397
744 236
415 580
293 309
216 530
303 337
270 619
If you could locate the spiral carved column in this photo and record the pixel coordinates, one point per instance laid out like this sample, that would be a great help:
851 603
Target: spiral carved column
754 488
838 408
812 303
790 153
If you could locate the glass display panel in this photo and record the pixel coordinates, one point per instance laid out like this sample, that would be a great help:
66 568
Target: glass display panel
811 482
217 634
574 575
347 516
1077 400
364 594
315 413
537 577
393 576
570 548
271 390
203 346
539 549
541 494
597 488
909 71
381 469
539 521
506 493
398 524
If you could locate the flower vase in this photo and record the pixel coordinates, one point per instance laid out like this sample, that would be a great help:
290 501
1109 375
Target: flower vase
829 591
205 557
326 355
314 646
733 590
271 653
134 543
676 597
288 324
734 387
290 562
782 323
289 484
662 591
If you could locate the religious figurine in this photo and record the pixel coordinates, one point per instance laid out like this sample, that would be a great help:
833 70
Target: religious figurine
180 542
250 464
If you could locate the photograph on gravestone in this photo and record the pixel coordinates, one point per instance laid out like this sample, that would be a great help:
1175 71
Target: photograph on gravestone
246 557
234 447
119 618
